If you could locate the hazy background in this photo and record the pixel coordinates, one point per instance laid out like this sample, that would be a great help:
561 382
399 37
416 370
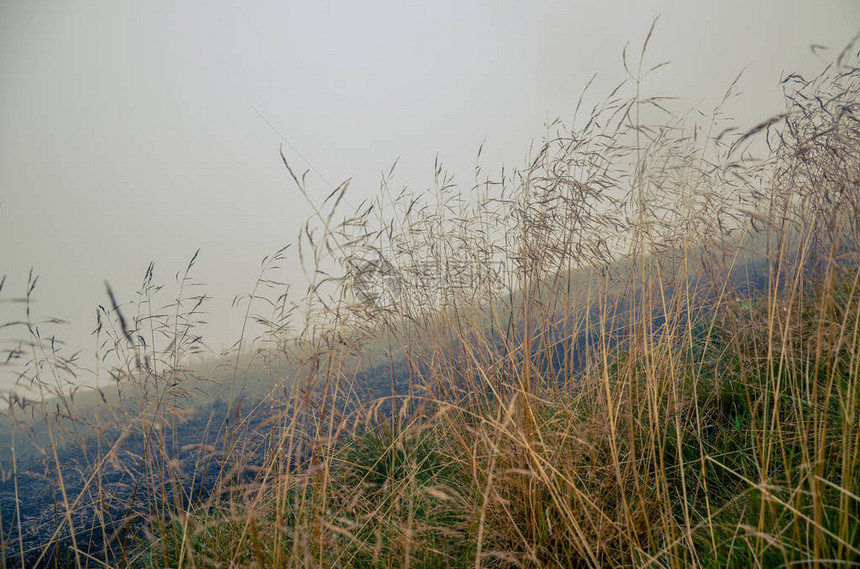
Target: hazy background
129 131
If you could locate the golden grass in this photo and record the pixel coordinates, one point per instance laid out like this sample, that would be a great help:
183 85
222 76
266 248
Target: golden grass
642 349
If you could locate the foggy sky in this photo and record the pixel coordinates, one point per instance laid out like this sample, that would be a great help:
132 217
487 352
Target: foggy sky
129 131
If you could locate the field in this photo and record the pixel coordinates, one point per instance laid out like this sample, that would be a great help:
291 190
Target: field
642 349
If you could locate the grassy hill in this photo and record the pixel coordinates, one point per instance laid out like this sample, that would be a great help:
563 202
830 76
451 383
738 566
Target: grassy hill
642 349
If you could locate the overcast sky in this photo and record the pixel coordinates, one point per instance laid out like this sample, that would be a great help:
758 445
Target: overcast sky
129 131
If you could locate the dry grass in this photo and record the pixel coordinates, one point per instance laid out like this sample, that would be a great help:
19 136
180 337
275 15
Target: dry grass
643 349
